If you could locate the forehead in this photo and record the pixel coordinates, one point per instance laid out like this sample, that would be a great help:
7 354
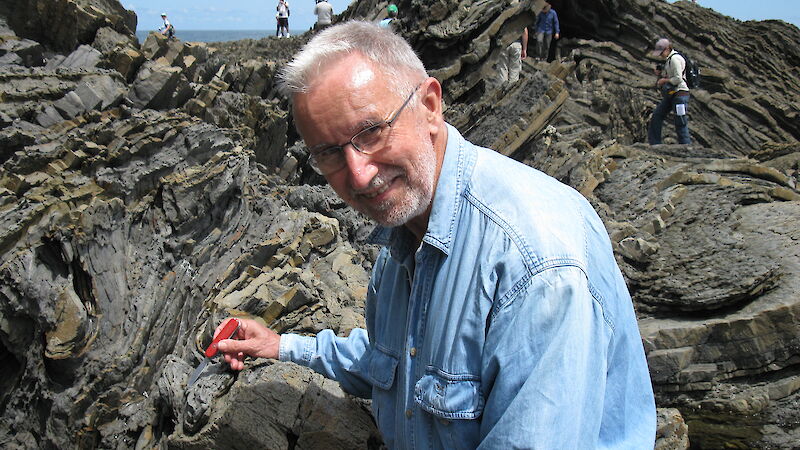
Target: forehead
342 96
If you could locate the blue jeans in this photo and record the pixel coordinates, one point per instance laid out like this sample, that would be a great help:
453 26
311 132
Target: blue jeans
667 104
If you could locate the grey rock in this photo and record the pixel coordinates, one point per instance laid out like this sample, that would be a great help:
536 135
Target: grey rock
83 57
107 40
71 105
273 403
11 59
154 86
49 116
30 53
120 51
129 231
63 25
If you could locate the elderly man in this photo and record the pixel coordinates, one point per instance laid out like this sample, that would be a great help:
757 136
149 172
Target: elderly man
496 314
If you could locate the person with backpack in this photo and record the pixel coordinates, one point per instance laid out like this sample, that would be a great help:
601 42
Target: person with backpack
674 93
391 12
167 30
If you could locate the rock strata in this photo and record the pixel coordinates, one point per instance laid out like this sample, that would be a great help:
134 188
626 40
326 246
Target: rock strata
149 191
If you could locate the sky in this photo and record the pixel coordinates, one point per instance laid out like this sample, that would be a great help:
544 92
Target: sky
260 14
786 10
225 15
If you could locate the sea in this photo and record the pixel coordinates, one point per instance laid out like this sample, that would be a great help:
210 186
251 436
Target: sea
217 35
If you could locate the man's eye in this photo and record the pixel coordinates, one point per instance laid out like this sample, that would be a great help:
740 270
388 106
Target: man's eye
326 152
371 134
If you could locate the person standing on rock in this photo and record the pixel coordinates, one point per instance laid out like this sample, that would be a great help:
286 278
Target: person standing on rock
283 18
509 65
547 28
674 94
496 315
324 12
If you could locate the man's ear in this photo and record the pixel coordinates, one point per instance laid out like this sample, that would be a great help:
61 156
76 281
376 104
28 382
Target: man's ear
431 91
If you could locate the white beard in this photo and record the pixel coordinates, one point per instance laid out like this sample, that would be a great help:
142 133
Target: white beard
418 195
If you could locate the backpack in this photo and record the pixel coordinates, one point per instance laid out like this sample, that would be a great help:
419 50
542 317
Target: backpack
691 72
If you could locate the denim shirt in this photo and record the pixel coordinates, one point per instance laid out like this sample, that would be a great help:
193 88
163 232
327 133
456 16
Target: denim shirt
547 23
509 327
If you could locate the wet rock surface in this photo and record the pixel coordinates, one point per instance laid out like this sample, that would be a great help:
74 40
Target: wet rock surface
149 191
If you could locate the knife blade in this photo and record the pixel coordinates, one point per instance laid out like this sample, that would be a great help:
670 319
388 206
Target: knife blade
227 332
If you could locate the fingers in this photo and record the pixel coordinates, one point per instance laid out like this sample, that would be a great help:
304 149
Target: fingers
231 346
235 360
222 325
252 339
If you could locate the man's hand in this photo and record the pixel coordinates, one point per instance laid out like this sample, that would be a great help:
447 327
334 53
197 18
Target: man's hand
556 36
661 81
252 339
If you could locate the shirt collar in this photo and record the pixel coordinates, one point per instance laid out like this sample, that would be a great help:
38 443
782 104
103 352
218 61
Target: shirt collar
446 201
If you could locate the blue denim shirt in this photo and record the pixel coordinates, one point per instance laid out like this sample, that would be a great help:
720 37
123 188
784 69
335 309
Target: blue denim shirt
548 22
509 327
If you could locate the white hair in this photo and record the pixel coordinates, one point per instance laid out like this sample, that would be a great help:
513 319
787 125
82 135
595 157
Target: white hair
389 52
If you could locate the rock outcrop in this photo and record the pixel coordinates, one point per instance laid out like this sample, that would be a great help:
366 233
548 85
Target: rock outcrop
148 191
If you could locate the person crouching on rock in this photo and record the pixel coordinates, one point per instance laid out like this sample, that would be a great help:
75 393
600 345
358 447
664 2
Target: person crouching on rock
496 314
167 30
674 94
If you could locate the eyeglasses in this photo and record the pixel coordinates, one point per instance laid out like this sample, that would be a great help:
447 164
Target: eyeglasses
367 141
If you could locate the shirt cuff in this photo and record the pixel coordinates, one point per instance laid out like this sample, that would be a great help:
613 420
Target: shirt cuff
297 349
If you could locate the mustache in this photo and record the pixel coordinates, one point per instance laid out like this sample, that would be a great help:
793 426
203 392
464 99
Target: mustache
379 181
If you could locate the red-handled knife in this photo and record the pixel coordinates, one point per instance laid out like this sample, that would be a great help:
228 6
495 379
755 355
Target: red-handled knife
227 332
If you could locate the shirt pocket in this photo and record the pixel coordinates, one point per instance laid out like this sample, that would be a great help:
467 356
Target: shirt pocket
449 396
456 403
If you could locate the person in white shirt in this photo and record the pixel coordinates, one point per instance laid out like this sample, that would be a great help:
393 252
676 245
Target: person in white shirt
283 18
167 30
324 13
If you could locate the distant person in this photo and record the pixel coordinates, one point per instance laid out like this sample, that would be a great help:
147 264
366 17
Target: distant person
324 13
510 63
547 28
167 30
674 93
283 18
392 12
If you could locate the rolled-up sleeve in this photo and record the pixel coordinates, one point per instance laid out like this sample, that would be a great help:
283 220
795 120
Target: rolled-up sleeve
333 356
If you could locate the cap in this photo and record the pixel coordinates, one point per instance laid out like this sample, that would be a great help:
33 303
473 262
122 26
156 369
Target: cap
661 45
163 14
391 8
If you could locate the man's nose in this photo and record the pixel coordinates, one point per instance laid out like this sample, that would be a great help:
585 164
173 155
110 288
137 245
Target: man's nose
360 167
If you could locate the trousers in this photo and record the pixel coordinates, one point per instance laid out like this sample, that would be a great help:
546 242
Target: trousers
510 63
543 41
679 106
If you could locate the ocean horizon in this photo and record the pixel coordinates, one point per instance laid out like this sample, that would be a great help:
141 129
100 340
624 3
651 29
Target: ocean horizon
217 35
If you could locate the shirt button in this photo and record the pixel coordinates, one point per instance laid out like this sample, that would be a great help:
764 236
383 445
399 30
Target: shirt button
444 422
408 413
413 352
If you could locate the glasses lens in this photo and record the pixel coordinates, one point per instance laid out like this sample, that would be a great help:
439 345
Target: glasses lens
328 160
368 140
